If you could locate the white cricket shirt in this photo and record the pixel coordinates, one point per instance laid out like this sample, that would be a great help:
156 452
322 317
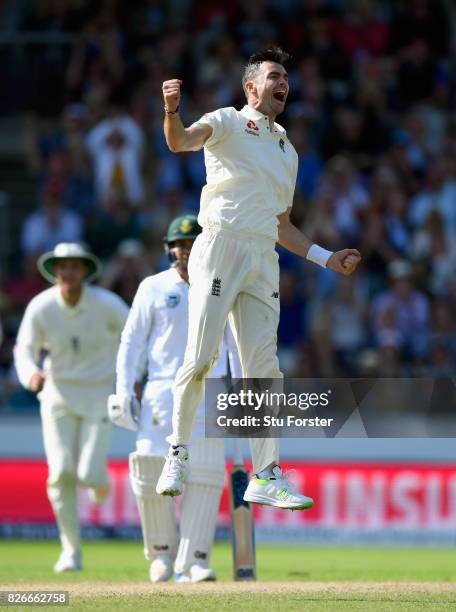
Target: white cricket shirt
250 172
81 341
158 325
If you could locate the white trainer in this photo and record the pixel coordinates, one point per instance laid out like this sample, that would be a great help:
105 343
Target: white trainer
276 491
68 562
161 569
172 478
196 573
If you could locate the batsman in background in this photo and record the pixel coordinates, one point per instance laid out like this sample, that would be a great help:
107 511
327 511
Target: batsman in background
251 169
157 326
78 326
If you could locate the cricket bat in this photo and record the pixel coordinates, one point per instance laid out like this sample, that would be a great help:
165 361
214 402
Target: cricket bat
242 527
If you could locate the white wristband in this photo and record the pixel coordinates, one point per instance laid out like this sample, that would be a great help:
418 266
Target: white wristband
318 255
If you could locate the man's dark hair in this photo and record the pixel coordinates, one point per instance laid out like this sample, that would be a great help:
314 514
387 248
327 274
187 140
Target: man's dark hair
271 54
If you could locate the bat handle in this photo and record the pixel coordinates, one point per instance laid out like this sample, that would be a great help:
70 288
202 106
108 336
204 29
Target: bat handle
238 457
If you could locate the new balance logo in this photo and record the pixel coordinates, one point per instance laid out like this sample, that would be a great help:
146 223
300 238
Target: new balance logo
216 286
282 144
200 555
275 294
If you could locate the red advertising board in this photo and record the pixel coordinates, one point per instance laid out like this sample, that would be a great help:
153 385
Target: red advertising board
348 495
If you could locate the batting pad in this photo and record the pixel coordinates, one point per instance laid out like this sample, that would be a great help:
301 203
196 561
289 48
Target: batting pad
200 504
158 520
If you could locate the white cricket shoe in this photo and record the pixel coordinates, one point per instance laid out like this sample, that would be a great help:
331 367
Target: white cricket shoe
68 562
161 569
276 491
172 478
196 573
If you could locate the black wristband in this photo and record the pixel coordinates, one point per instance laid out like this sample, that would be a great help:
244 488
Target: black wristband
174 112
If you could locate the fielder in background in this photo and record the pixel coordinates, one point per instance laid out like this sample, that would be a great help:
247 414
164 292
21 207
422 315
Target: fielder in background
251 169
157 326
78 327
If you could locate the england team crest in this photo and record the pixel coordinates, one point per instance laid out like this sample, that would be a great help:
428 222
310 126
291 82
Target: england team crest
172 300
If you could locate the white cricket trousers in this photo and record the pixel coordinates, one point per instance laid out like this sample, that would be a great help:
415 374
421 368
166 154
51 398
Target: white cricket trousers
237 276
76 451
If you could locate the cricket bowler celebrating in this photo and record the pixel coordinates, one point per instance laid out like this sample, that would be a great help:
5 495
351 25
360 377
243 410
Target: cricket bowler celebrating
157 327
251 169
78 327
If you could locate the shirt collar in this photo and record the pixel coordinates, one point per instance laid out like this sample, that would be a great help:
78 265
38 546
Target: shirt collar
73 310
251 113
177 276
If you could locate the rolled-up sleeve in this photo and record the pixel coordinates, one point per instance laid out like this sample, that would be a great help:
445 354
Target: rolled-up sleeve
221 122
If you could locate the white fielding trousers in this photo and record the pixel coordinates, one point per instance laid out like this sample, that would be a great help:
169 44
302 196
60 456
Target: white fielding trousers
231 276
156 419
76 450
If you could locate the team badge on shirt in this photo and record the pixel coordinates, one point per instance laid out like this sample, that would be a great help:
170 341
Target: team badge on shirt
252 128
216 287
172 300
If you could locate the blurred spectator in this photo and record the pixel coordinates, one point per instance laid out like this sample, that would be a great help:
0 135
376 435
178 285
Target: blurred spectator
340 328
127 268
441 361
439 194
345 135
349 199
395 220
400 316
443 331
361 33
22 287
116 147
434 245
51 224
98 60
308 103
311 33
292 325
255 25
223 71
107 228
310 165
306 362
413 138
371 97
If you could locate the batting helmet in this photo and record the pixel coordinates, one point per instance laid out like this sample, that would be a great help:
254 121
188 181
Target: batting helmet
185 227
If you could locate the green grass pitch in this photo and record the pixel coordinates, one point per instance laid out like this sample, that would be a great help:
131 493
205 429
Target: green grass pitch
289 578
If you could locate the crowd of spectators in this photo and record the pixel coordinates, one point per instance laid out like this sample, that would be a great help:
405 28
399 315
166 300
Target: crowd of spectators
371 114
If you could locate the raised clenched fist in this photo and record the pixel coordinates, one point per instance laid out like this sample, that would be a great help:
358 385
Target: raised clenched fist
345 262
171 94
